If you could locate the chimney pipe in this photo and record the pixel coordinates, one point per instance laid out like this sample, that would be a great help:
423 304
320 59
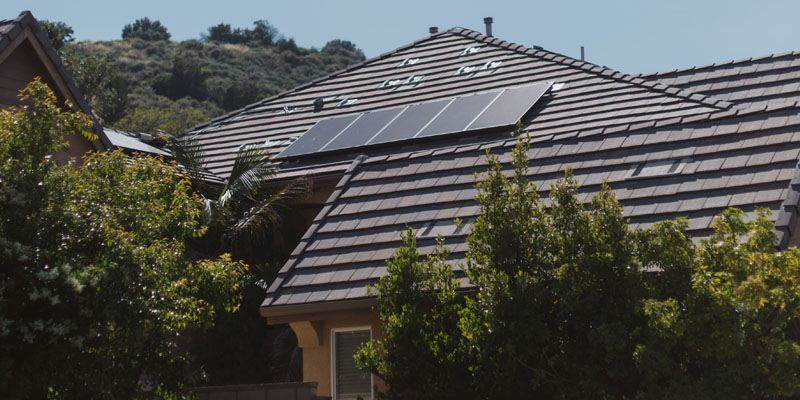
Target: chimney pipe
433 29
488 22
582 59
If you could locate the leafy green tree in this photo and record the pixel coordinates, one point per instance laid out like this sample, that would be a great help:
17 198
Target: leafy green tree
146 30
100 83
96 289
243 218
187 78
262 34
566 302
57 32
172 119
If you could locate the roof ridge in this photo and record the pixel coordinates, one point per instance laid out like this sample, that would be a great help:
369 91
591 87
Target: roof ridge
662 74
598 70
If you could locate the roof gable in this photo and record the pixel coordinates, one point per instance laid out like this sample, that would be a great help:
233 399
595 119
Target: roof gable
25 30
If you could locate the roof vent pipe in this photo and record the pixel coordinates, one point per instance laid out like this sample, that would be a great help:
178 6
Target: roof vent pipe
433 29
582 59
488 22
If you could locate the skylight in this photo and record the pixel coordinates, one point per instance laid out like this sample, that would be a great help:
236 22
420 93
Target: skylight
659 168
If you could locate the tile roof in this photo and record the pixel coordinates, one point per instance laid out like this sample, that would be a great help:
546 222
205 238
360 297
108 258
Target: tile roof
593 99
666 152
10 29
771 79
742 159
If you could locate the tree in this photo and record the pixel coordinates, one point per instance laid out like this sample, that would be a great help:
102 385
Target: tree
96 288
102 86
57 32
172 119
145 29
187 79
243 219
262 34
560 305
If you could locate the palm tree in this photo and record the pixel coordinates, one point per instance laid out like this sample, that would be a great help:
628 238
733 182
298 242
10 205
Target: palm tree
242 209
243 215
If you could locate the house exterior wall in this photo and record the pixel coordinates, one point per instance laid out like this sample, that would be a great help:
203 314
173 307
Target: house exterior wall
315 338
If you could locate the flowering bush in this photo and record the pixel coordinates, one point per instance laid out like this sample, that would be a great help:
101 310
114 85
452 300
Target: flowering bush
95 288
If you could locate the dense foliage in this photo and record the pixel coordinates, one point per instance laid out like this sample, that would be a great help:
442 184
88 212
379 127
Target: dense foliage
57 32
95 290
566 302
226 70
262 34
245 219
145 29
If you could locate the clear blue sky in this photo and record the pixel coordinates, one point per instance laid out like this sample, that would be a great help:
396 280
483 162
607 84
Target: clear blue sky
629 35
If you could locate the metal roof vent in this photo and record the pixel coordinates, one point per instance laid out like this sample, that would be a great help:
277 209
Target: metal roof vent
491 65
488 21
466 69
390 83
347 102
470 50
408 61
433 29
318 104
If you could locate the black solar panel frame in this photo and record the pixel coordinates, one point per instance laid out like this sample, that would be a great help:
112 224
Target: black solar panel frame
457 116
363 129
509 107
409 123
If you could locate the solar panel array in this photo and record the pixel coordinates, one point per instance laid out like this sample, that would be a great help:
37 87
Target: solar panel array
441 117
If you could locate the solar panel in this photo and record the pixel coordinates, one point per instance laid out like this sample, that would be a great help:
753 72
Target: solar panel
410 121
458 114
510 106
440 117
318 136
361 131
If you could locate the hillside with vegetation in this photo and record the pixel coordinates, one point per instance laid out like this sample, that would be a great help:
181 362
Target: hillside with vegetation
145 82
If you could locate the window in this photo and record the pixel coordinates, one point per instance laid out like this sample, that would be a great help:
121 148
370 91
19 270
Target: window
349 382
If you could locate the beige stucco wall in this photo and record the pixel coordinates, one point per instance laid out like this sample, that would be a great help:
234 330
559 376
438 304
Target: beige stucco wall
317 358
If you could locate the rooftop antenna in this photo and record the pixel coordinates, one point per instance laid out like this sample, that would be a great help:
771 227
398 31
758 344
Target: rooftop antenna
488 22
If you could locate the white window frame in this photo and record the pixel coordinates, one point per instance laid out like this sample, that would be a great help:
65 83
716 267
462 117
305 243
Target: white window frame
334 331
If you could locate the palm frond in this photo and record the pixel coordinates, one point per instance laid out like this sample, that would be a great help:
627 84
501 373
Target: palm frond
191 157
253 165
267 211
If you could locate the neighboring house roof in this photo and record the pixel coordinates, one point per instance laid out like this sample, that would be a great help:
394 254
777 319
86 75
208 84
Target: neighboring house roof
25 27
135 142
666 152
143 143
